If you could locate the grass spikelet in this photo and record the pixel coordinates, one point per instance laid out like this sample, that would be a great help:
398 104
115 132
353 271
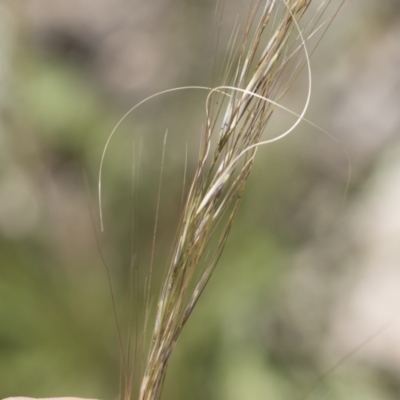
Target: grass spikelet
264 63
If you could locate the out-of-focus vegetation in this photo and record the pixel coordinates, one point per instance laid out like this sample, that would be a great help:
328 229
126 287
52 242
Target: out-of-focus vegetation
300 263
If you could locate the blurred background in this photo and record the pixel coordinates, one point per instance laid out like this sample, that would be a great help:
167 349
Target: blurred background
310 276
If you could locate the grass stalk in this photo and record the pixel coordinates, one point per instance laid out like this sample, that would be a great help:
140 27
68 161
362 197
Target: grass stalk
262 66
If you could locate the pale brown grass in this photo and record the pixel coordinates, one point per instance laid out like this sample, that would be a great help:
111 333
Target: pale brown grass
263 64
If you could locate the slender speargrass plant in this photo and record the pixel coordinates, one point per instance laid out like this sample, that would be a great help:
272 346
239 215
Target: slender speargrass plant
266 58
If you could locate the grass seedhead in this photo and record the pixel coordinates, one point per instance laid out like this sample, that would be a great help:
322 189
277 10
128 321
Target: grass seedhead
265 60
